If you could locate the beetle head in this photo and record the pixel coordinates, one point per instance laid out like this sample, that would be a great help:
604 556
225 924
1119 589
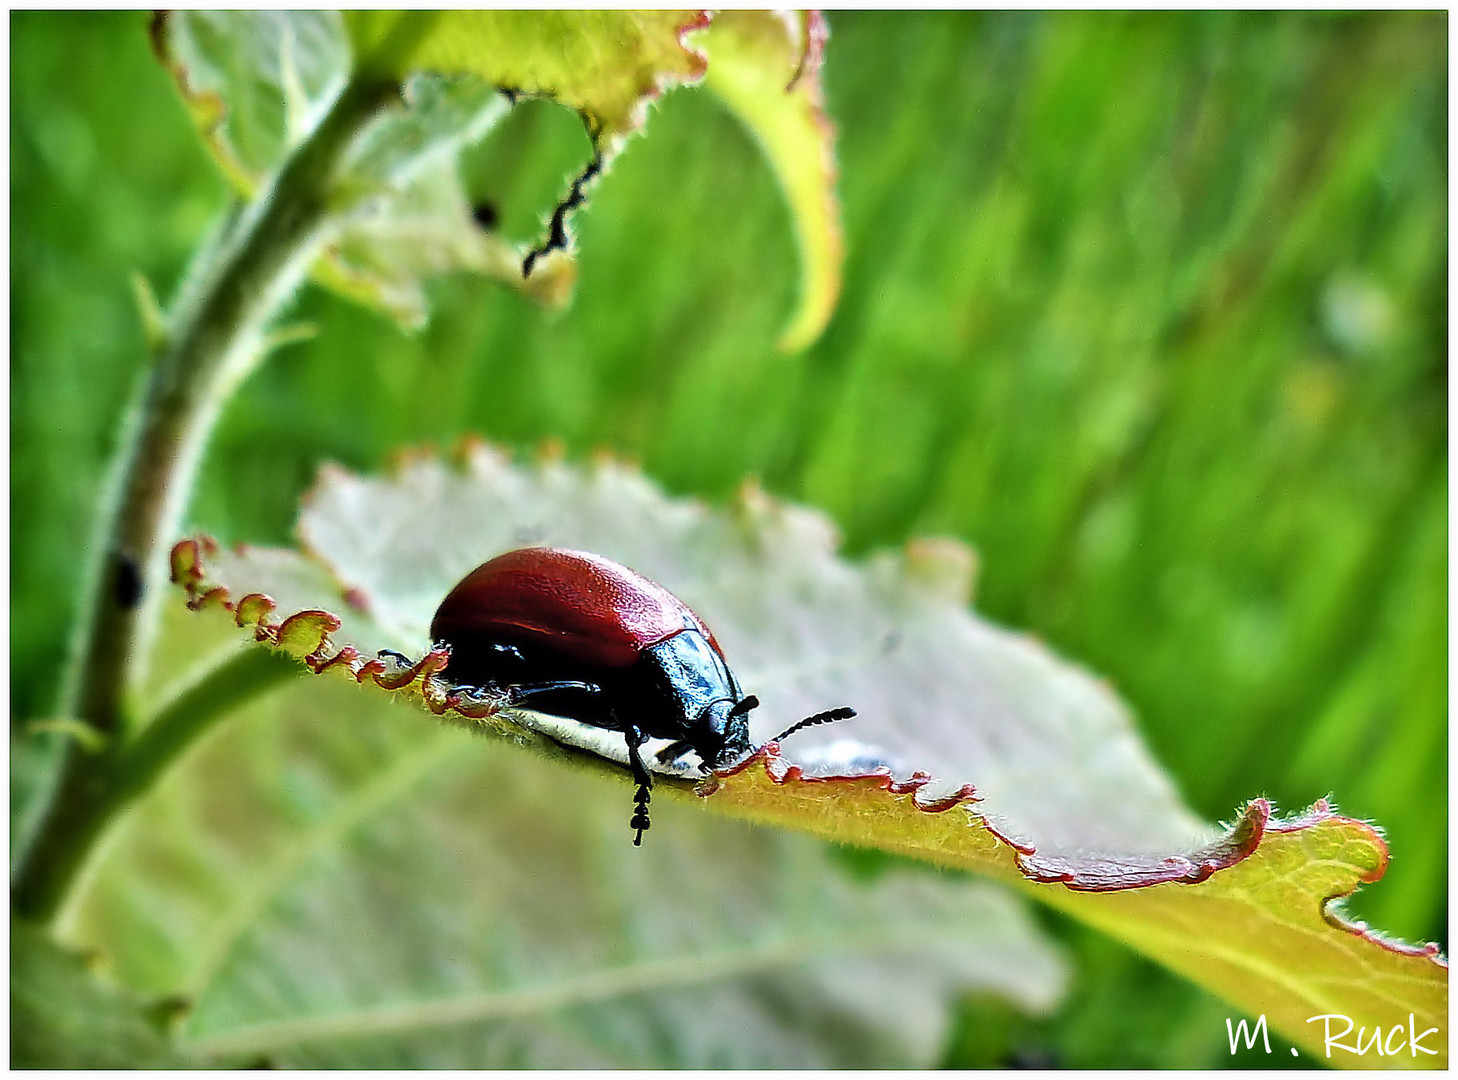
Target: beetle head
721 735
722 731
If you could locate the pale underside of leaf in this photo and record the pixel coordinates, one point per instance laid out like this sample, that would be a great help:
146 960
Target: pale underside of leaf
257 82
62 1017
937 688
329 885
608 66
975 747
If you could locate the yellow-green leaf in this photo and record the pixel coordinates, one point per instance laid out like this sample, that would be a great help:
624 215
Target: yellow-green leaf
1253 917
256 82
606 64
765 65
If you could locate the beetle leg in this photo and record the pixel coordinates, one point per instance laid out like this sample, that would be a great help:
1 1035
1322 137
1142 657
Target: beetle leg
639 821
519 693
672 752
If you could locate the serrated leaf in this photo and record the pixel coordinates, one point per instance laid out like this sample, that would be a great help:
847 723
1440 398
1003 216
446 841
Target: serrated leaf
766 66
609 65
975 747
1252 917
330 884
606 64
894 640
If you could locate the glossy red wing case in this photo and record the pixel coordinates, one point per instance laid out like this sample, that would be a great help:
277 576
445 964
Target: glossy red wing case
571 602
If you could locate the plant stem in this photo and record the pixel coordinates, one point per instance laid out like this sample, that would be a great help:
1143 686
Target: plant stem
215 338
119 779
186 718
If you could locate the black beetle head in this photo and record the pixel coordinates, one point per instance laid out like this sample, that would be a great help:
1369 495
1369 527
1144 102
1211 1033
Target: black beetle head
721 733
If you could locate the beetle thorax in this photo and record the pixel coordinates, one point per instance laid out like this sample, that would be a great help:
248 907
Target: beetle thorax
700 694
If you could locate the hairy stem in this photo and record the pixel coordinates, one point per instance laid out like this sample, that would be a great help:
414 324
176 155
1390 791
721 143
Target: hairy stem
213 341
122 777
186 718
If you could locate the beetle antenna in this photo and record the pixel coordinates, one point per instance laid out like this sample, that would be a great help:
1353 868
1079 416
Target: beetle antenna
830 716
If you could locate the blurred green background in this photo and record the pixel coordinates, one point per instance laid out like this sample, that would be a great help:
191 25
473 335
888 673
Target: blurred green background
1150 309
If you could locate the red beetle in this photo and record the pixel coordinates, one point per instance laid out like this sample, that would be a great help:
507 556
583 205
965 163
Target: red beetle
577 635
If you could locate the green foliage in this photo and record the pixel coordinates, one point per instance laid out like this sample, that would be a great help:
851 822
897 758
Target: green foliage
1150 308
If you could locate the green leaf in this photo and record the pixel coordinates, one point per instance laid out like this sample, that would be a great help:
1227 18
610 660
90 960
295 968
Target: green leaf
1252 917
64 1017
334 884
962 724
766 67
